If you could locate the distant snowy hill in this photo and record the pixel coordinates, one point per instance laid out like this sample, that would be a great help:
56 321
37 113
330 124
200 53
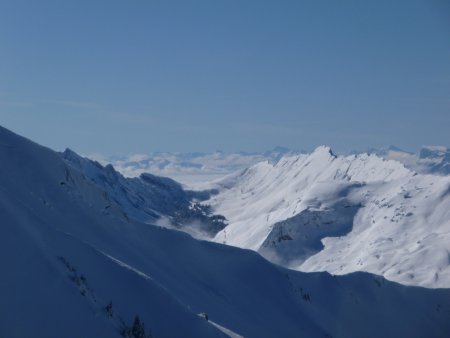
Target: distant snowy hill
322 212
75 265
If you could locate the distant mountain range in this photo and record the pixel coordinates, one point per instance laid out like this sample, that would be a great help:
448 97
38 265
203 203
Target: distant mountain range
194 168
429 160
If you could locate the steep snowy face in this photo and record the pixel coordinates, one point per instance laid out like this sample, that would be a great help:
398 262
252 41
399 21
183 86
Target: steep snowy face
61 240
151 199
341 214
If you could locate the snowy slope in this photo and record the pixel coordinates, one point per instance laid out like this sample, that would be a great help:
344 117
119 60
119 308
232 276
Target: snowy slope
149 198
58 275
322 212
65 257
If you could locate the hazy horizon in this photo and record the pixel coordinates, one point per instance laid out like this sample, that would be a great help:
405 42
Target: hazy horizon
122 77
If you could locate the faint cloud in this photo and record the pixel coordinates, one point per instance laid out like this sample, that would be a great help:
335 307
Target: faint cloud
133 118
73 103
264 128
16 104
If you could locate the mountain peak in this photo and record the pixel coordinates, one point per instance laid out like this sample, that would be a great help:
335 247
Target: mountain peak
323 149
433 152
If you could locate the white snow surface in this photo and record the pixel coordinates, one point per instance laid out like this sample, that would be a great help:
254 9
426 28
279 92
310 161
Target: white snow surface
67 251
322 212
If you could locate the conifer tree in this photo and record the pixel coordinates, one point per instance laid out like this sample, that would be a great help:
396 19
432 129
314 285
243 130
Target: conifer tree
138 330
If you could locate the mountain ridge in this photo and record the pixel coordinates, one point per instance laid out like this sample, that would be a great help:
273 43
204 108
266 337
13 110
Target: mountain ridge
314 193
193 168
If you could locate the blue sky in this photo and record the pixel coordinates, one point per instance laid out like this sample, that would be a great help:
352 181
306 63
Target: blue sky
117 77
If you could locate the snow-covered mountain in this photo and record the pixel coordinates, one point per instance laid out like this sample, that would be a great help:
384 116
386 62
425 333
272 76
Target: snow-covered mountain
151 199
75 265
322 212
330 201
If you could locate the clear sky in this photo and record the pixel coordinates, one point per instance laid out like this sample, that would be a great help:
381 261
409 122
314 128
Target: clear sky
127 76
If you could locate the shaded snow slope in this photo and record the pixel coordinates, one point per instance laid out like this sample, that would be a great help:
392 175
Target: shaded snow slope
322 212
65 257
149 198
57 278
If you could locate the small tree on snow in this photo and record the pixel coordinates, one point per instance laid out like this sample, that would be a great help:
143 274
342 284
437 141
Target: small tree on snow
109 309
138 330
